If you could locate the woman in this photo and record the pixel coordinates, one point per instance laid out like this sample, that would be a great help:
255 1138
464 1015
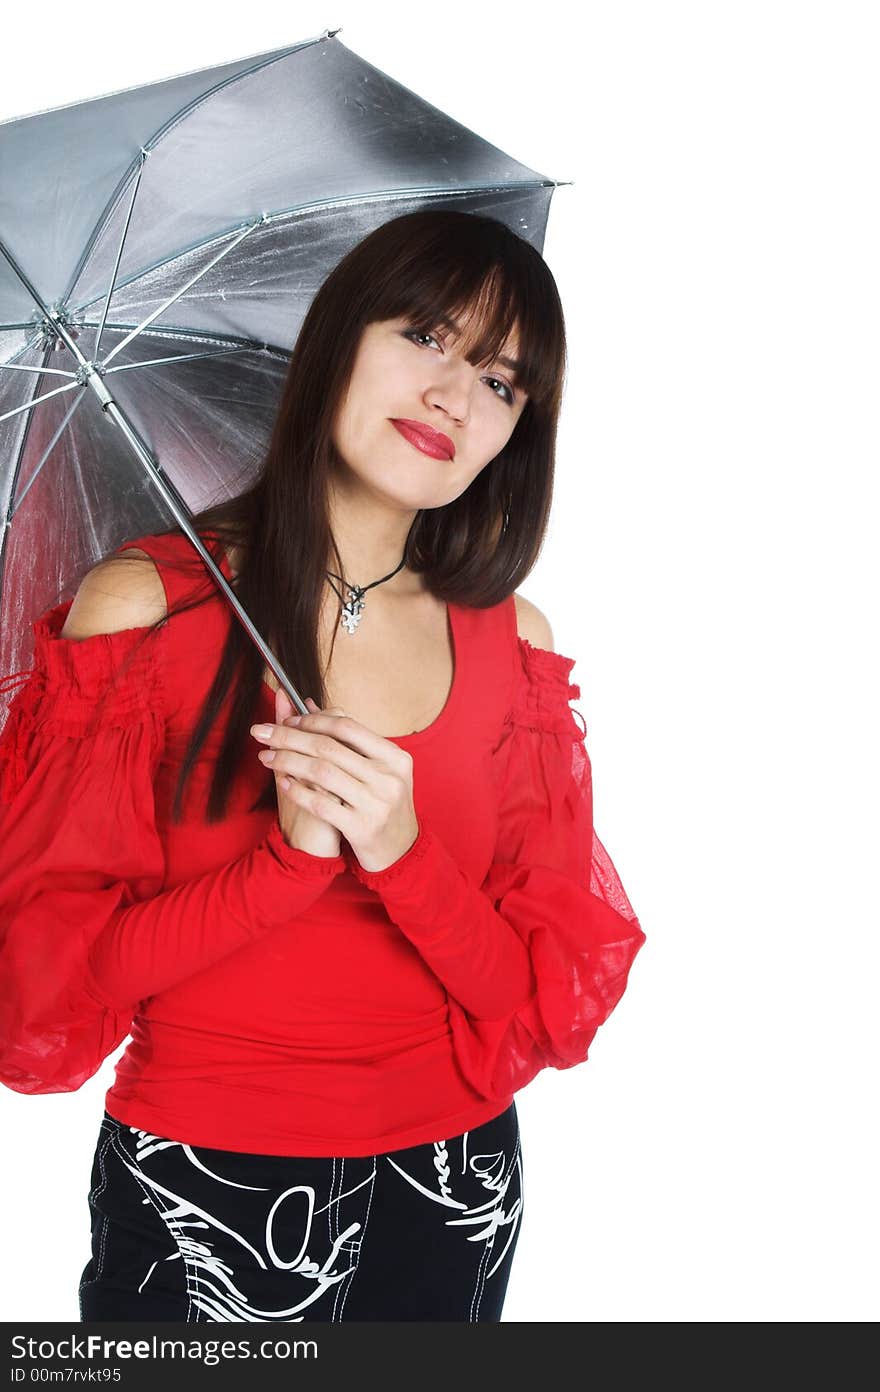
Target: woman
340 950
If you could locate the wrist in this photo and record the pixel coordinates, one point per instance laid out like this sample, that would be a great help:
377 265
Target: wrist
376 879
294 858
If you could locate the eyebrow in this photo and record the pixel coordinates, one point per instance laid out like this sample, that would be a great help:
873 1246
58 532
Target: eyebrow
514 364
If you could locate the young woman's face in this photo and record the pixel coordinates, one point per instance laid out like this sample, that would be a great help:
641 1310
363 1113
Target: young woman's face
404 375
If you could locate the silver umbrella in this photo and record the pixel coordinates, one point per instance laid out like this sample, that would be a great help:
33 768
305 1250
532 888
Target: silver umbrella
160 248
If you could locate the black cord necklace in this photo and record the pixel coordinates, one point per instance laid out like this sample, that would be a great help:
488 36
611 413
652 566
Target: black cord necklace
353 607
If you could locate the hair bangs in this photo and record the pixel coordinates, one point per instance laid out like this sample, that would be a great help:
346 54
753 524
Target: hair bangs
494 311
500 321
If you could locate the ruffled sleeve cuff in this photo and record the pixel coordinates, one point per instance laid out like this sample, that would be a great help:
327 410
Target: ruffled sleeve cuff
303 863
543 692
78 687
401 873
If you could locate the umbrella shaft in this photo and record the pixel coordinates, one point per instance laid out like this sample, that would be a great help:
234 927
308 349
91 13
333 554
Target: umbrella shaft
183 517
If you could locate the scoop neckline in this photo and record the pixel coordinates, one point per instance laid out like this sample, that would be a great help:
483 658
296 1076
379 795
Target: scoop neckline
455 635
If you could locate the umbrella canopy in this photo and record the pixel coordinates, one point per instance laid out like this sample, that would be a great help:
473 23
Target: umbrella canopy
159 248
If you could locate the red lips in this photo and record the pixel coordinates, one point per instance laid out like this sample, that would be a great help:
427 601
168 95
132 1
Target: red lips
426 438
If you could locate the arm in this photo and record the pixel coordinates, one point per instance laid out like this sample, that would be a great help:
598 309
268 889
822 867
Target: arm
477 951
155 944
85 932
472 948
551 887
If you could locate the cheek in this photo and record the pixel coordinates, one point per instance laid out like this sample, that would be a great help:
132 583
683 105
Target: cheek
353 413
374 389
497 424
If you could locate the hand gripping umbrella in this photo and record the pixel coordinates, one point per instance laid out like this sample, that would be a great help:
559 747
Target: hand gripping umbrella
160 247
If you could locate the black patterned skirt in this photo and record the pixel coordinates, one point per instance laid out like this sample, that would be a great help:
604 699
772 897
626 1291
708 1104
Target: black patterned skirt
195 1234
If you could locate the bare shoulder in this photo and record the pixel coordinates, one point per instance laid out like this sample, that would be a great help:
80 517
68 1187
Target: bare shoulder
122 592
532 623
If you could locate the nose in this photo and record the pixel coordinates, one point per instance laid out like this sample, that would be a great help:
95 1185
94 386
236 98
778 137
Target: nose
453 388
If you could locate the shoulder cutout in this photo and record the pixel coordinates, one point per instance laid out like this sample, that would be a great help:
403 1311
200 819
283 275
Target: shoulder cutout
123 592
532 624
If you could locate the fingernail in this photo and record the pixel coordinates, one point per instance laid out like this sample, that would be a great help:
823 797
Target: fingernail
261 731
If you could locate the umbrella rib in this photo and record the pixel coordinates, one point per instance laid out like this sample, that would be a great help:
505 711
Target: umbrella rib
181 331
21 367
46 452
177 294
184 357
326 204
68 386
137 184
274 56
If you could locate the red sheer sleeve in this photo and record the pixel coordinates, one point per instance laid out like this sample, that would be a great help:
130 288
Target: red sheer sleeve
551 894
85 933
552 872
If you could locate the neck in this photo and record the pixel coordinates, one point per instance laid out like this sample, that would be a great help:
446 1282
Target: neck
370 538
371 543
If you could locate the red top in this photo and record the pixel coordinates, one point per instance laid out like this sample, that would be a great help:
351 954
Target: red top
280 1002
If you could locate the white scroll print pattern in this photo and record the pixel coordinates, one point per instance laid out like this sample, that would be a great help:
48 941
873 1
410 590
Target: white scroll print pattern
485 1218
287 1226
214 1290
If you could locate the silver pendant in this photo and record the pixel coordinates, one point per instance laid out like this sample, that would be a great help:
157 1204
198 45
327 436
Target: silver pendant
352 609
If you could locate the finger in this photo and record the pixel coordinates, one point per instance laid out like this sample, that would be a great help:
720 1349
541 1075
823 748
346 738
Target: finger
283 711
328 744
328 710
348 733
318 749
324 775
287 782
284 708
324 806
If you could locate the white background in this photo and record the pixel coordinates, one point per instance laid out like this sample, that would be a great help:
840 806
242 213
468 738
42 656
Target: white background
710 567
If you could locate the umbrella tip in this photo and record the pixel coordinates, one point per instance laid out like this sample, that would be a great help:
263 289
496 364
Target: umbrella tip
331 33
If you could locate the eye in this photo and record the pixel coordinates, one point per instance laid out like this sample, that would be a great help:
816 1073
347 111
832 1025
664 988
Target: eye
413 334
497 381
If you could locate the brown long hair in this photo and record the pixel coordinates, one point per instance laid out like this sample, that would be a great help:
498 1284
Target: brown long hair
474 551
